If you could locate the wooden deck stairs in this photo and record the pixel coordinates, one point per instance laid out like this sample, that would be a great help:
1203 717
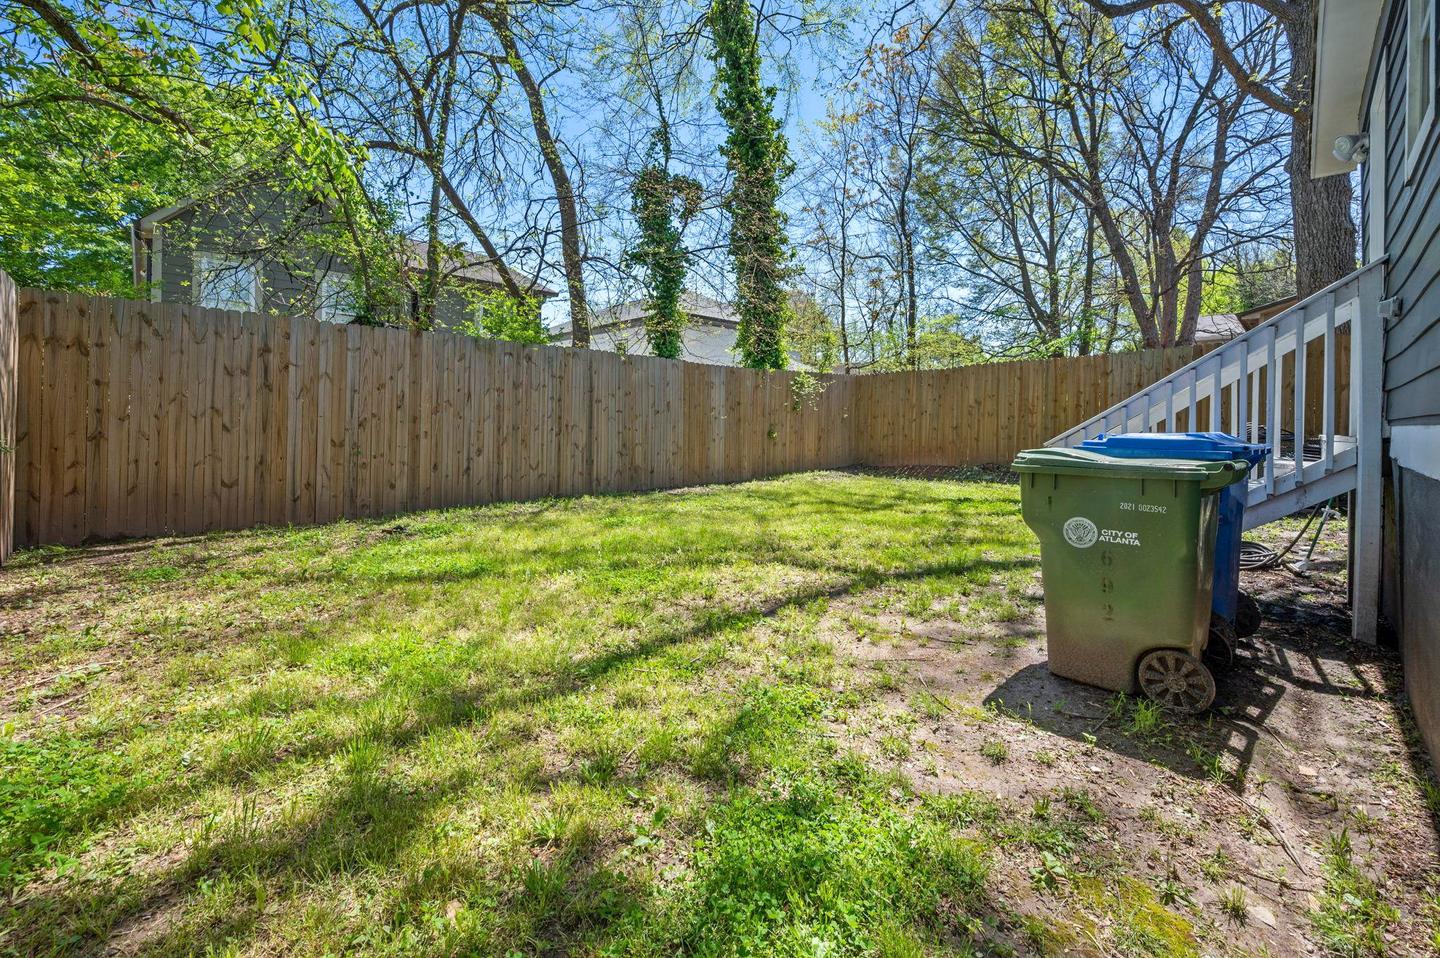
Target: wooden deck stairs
1307 384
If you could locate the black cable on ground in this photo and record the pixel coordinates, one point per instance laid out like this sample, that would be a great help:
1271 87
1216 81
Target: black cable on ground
1254 555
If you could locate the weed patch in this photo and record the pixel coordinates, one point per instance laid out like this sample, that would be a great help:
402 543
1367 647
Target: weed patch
1352 915
801 866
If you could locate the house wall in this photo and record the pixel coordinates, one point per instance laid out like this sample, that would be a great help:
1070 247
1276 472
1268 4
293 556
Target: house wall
1418 497
270 227
1410 225
700 343
245 228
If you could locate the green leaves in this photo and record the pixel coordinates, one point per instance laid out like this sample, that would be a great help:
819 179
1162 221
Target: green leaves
51 791
663 202
109 116
758 157
502 316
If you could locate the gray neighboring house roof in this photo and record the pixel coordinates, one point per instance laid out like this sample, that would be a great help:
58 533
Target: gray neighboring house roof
699 307
1222 327
480 269
1217 327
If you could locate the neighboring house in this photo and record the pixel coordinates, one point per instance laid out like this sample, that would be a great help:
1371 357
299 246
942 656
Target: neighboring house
261 249
709 337
710 333
1376 78
1217 327
1222 327
1271 309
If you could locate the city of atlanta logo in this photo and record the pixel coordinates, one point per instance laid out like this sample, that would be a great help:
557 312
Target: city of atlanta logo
1080 532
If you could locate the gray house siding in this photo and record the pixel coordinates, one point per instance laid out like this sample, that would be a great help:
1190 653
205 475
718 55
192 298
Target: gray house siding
272 230
192 233
1412 366
1412 228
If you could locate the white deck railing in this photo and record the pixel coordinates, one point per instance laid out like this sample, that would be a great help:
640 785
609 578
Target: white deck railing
1257 387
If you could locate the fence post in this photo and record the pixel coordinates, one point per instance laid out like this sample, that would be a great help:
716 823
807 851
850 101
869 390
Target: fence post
9 394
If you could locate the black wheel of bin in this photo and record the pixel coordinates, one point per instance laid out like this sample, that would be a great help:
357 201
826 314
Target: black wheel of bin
1176 681
1220 650
1247 616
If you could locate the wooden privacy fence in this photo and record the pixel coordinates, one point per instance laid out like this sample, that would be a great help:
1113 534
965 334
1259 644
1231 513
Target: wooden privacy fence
985 414
139 419
982 414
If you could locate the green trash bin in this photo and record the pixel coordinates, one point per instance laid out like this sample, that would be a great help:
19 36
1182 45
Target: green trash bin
1127 551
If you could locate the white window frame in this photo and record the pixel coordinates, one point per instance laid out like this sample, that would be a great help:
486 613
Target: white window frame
1419 79
1377 168
209 263
325 305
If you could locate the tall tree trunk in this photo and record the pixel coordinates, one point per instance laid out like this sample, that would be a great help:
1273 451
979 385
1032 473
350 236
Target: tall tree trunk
844 284
570 244
912 303
1086 338
1190 315
430 287
430 283
1325 240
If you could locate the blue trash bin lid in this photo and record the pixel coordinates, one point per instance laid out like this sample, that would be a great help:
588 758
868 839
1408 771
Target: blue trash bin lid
1208 446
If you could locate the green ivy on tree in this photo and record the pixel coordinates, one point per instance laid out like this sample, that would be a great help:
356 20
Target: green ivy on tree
661 252
759 161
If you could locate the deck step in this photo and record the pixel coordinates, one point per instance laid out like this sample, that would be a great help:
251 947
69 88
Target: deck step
1263 508
1276 488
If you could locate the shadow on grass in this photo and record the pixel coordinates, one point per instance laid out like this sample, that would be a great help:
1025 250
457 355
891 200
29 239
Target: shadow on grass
362 820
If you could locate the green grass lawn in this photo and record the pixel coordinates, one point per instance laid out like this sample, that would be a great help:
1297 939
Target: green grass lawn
595 726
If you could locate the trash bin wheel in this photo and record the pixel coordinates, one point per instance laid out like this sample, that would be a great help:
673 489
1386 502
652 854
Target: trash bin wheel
1247 616
1220 649
1176 681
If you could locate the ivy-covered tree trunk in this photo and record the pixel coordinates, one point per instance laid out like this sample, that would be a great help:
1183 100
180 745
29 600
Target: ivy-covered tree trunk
758 157
661 252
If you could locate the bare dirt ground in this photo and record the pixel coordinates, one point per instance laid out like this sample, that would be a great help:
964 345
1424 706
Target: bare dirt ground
1236 818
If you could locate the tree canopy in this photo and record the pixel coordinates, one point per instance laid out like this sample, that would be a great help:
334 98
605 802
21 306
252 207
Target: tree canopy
961 181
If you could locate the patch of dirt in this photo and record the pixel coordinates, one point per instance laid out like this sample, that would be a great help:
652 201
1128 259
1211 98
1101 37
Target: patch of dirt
1307 739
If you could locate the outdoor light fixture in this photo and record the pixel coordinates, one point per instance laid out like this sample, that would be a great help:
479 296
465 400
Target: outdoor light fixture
1352 147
